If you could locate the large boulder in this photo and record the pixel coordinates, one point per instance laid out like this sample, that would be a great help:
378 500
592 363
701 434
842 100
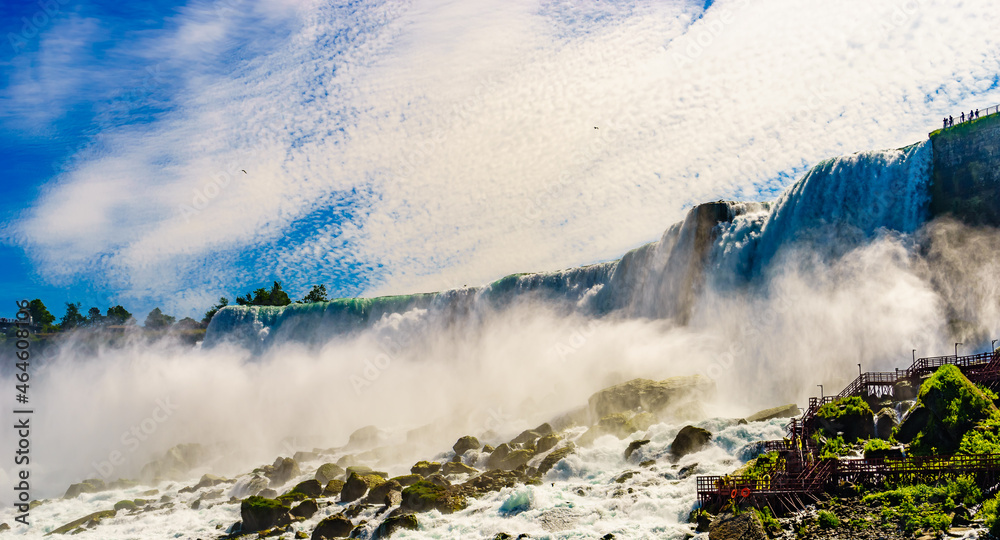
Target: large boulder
516 459
305 509
947 406
546 443
89 520
310 489
783 411
357 485
657 397
497 456
259 514
689 440
457 467
91 485
850 416
329 471
378 494
283 470
617 424
885 421
744 526
337 526
554 457
425 468
423 496
395 523
464 444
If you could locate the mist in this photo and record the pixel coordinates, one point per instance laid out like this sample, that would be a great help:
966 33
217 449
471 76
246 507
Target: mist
808 320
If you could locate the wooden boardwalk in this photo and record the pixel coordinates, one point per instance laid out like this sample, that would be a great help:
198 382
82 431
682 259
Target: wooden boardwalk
800 476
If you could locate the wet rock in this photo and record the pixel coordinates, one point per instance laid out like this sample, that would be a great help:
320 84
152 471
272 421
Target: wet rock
439 480
424 496
633 446
784 411
329 471
333 488
547 442
309 489
554 457
885 421
516 459
305 509
392 524
357 485
851 417
378 493
625 476
687 471
91 485
259 514
744 526
408 479
648 463
425 468
283 470
125 505
525 437
464 444
209 480
488 449
357 469
650 396
457 468
689 440
644 421
268 493
498 455
613 424
89 520
337 526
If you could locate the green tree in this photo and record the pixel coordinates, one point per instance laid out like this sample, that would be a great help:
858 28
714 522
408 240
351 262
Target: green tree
41 316
263 297
223 302
94 316
156 320
118 315
72 318
187 323
317 294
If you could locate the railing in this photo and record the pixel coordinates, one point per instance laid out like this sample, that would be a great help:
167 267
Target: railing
934 362
973 114
865 379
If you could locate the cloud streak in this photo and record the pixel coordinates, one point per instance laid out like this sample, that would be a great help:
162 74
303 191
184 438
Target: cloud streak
398 147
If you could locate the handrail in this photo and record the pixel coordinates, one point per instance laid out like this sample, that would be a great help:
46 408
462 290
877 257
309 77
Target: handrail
974 114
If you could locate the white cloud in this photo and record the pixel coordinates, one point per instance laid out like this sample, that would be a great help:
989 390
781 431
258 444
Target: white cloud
433 144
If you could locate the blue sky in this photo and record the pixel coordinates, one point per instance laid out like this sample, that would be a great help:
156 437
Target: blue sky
394 147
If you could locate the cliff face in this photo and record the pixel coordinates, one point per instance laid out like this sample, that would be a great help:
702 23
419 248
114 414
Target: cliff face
966 175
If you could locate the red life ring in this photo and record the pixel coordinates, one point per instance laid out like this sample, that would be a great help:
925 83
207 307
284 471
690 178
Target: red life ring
746 492
733 494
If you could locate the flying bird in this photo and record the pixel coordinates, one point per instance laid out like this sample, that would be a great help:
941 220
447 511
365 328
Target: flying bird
244 171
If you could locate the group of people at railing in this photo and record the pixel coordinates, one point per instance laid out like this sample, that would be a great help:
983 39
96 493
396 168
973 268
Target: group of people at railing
949 121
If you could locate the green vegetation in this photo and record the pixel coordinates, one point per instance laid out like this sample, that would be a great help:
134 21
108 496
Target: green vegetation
760 466
41 316
876 445
849 406
72 318
827 520
767 519
989 514
263 297
833 447
223 302
317 294
157 320
923 506
956 406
